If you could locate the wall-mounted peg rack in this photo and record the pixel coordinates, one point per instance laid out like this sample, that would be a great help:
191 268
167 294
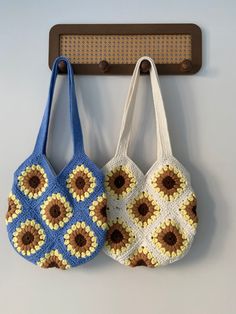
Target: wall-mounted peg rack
114 48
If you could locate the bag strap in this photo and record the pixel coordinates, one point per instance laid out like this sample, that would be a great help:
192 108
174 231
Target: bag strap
41 142
162 134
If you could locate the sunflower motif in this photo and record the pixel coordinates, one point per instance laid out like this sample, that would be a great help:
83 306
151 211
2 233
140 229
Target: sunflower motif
33 181
119 182
53 259
142 257
170 239
143 209
80 240
98 211
56 211
81 183
14 208
28 238
169 182
119 237
188 210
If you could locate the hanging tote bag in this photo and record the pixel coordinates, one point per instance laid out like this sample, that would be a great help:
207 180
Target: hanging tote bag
58 220
151 217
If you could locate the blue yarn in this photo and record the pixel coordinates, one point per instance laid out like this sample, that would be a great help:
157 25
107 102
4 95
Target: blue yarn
31 207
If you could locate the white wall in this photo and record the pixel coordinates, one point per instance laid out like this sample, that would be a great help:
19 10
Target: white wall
201 112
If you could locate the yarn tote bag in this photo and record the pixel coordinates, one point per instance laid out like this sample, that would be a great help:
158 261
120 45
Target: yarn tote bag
58 220
151 217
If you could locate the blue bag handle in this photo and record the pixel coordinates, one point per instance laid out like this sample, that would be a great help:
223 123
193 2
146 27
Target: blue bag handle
40 146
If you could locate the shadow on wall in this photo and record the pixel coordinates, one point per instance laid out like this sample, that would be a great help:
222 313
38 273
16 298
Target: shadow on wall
97 116
177 116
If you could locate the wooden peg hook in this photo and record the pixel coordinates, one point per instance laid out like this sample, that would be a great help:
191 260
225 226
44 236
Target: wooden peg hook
145 66
62 67
103 66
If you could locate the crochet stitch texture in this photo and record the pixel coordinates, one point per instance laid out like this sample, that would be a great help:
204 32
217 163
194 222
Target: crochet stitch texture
151 217
58 220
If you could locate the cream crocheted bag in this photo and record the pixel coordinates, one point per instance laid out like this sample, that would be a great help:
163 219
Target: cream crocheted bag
151 217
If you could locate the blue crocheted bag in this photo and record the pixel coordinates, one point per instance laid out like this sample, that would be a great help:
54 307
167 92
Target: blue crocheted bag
58 220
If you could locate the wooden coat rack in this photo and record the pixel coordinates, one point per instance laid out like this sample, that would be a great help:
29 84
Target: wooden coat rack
113 49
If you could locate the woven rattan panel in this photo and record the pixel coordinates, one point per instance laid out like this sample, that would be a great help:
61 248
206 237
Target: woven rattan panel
126 49
114 48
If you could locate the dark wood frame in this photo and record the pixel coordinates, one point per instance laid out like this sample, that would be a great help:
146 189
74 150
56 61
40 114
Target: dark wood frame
128 29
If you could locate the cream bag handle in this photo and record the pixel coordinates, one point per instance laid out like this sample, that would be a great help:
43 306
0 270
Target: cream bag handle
162 134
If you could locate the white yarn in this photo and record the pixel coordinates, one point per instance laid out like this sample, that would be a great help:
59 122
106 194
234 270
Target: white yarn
168 209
